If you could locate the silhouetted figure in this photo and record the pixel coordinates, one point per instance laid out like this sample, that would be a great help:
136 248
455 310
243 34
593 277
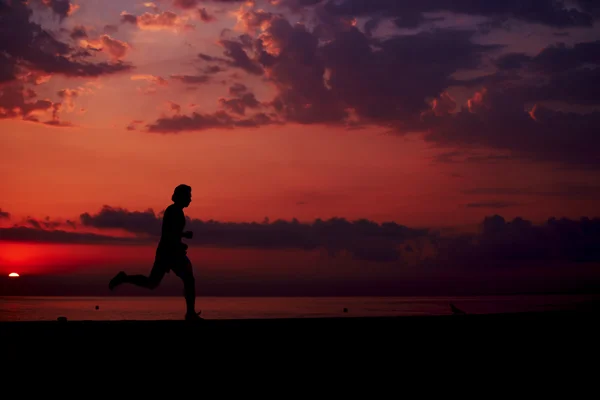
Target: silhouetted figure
456 310
171 254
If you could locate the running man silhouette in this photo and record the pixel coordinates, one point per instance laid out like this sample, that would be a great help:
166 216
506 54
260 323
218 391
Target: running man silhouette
171 254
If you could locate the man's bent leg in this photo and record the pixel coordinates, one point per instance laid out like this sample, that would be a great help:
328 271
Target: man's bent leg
150 282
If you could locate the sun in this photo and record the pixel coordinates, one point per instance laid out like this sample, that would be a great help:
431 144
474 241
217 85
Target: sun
13 275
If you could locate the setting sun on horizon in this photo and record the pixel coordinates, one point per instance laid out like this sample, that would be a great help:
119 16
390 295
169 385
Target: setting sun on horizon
13 275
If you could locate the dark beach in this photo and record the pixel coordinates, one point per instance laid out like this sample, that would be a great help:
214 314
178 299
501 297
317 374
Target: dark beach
570 334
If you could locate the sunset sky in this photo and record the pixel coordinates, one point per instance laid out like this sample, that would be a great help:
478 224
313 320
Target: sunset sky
422 119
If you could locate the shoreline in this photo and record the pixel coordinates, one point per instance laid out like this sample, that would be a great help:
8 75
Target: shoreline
534 320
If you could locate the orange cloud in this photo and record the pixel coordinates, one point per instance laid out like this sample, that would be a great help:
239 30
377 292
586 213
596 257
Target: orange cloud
166 20
114 47
150 78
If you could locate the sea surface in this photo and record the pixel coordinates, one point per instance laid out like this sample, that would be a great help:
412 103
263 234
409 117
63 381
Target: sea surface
173 308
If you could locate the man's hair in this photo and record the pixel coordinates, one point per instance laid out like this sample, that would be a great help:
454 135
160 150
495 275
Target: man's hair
180 191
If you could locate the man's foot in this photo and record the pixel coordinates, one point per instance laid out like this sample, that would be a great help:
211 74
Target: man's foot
195 316
117 280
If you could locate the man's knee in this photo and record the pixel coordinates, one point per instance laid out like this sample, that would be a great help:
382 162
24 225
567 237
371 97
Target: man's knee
153 282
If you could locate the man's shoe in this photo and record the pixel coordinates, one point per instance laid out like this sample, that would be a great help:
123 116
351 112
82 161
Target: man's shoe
194 316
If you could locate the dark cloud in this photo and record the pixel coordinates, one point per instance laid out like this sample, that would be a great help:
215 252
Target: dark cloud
511 112
239 104
382 80
495 120
239 58
213 69
512 61
396 76
555 13
26 234
210 58
205 16
118 218
565 190
4 214
336 74
62 8
26 45
18 102
78 32
129 18
192 79
521 240
367 240
560 57
46 223
202 121
497 241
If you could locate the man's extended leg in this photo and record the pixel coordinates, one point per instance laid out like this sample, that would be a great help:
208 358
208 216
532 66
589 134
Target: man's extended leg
150 282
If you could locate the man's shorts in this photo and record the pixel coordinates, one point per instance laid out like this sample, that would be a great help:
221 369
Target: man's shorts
178 262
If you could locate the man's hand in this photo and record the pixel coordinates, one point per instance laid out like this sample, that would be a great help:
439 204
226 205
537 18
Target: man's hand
187 234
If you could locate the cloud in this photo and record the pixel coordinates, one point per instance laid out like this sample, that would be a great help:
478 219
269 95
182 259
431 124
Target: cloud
320 83
205 16
133 125
166 20
410 13
330 70
203 121
239 57
521 240
4 214
62 8
365 239
119 218
495 120
26 46
497 241
115 48
239 104
192 79
78 32
17 101
26 234
150 78
563 190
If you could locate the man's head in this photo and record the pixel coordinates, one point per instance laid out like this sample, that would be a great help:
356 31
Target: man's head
182 195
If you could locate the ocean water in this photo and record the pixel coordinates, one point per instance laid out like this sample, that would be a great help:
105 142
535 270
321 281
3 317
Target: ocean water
172 308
